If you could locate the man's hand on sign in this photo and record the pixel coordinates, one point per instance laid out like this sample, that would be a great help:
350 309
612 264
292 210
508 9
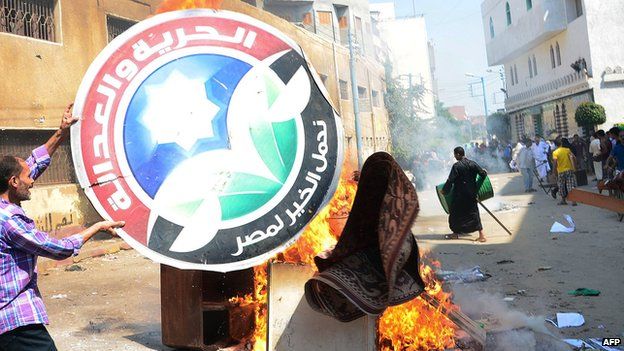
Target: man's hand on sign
110 226
68 118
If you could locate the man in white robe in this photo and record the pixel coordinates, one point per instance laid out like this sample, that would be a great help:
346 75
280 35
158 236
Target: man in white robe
540 154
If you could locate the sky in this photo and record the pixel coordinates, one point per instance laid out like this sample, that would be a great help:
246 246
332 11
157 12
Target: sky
455 27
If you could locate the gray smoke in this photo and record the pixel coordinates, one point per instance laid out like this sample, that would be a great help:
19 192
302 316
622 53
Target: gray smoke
508 329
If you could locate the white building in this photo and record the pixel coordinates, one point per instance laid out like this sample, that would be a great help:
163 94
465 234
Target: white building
408 50
538 42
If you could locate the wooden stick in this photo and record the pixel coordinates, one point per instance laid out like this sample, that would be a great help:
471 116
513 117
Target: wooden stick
474 329
493 216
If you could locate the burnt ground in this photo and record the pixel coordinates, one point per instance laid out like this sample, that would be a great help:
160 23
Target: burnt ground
114 302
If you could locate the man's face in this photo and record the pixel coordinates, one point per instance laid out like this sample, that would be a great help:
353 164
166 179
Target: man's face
23 183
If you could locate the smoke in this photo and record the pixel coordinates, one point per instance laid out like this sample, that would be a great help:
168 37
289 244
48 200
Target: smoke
508 329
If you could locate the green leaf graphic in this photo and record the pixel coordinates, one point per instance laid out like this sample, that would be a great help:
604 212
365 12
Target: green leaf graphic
246 193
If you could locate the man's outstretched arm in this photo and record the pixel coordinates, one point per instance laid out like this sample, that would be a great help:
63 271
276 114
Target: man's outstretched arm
61 134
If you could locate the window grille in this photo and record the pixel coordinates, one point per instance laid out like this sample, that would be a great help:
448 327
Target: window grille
29 18
20 143
116 26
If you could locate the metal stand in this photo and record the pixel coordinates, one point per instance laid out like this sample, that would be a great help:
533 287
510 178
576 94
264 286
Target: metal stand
547 187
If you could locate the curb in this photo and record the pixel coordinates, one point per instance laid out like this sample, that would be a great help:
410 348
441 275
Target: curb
45 264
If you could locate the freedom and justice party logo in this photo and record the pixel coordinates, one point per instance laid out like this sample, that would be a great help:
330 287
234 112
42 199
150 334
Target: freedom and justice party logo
210 135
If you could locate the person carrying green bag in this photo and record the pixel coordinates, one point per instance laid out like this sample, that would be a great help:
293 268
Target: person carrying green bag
464 215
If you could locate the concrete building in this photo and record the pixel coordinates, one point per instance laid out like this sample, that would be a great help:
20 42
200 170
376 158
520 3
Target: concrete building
411 56
556 55
46 49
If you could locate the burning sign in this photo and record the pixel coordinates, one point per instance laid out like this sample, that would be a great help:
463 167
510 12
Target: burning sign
210 135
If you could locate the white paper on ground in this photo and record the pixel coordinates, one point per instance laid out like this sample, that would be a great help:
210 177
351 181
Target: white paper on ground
560 228
576 342
566 320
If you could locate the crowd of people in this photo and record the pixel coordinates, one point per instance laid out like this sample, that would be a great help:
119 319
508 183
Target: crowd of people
601 155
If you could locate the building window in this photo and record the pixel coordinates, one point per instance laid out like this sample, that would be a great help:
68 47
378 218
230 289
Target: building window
344 90
20 143
508 12
492 28
529 4
534 66
29 18
362 93
363 99
579 7
326 23
511 76
530 68
359 34
375 98
552 57
116 26
323 79
558 51
516 73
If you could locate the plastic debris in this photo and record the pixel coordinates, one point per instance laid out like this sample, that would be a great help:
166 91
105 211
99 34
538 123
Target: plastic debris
58 296
567 320
472 275
504 262
584 292
560 228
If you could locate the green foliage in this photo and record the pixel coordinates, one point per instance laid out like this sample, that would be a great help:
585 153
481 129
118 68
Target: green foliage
404 123
498 124
589 114
411 135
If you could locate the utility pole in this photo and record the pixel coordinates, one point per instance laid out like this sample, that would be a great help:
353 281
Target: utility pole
411 93
483 94
354 92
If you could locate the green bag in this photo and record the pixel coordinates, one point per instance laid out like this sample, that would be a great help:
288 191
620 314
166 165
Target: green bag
484 192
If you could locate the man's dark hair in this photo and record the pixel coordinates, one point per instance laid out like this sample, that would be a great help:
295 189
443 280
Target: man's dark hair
565 143
614 131
9 167
600 133
459 151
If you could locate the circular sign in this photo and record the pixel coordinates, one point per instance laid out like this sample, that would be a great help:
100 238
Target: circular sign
210 135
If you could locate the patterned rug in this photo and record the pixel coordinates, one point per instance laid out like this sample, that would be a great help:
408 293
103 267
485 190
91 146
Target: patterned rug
375 262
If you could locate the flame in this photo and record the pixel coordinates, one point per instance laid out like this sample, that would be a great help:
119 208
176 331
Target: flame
416 325
173 5
318 236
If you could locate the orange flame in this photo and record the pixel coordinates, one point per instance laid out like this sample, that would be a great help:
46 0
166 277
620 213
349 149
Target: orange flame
318 236
416 325
173 5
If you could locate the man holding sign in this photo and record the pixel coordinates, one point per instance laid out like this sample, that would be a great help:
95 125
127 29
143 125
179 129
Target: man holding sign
22 313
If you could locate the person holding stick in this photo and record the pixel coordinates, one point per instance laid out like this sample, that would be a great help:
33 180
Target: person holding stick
464 215
22 313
